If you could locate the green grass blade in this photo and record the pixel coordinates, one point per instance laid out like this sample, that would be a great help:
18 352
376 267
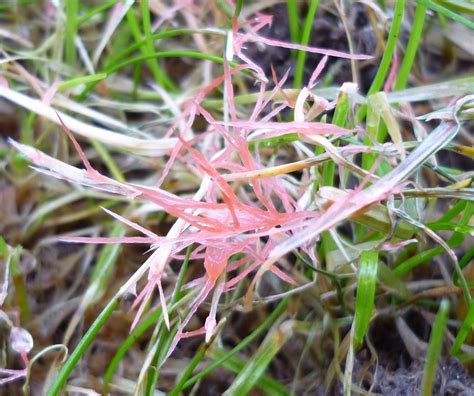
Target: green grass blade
143 326
465 6
238 8
166 54
97 10
447 13
453 212
293 20
258 363
225 7
109 162
4 251
105 263
305 36
160 77
98 282
81 348
18 279
412 47
81 80
387 57
197 358
455 240
149 321
434 349
340 118
276 313
464 331
178 292
126 52
72 10
389 48
379 110
144 48
267 384
10 266
158 351
365 294
166 337
329 168
468 256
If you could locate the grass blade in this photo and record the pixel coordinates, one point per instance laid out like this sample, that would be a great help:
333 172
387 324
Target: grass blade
74 82
434 349
305 36
279 310
389 48
81 348
72 8
388 53
98 282
267 384
412 47
464 331
447 13
294 20
256 366
365 294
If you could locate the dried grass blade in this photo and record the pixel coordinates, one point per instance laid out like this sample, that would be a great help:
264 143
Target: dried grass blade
151 148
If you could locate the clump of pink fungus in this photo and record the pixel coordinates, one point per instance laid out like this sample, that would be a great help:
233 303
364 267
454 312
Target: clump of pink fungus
218 219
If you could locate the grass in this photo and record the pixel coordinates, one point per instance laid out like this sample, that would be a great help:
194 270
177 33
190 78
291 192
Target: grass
412 46
305 36
365 294
434 349
283 208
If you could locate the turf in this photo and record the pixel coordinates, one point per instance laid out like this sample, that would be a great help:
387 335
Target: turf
236 198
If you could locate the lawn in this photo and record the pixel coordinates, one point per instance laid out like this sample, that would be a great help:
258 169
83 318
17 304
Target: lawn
237 198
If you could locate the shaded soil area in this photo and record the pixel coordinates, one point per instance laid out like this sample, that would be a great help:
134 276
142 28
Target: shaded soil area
328 32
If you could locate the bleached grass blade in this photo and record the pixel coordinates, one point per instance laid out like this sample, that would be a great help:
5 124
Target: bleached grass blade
463 86
151 148
115 17
380 104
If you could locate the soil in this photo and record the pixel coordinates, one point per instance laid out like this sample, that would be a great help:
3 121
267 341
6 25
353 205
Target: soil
329 33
